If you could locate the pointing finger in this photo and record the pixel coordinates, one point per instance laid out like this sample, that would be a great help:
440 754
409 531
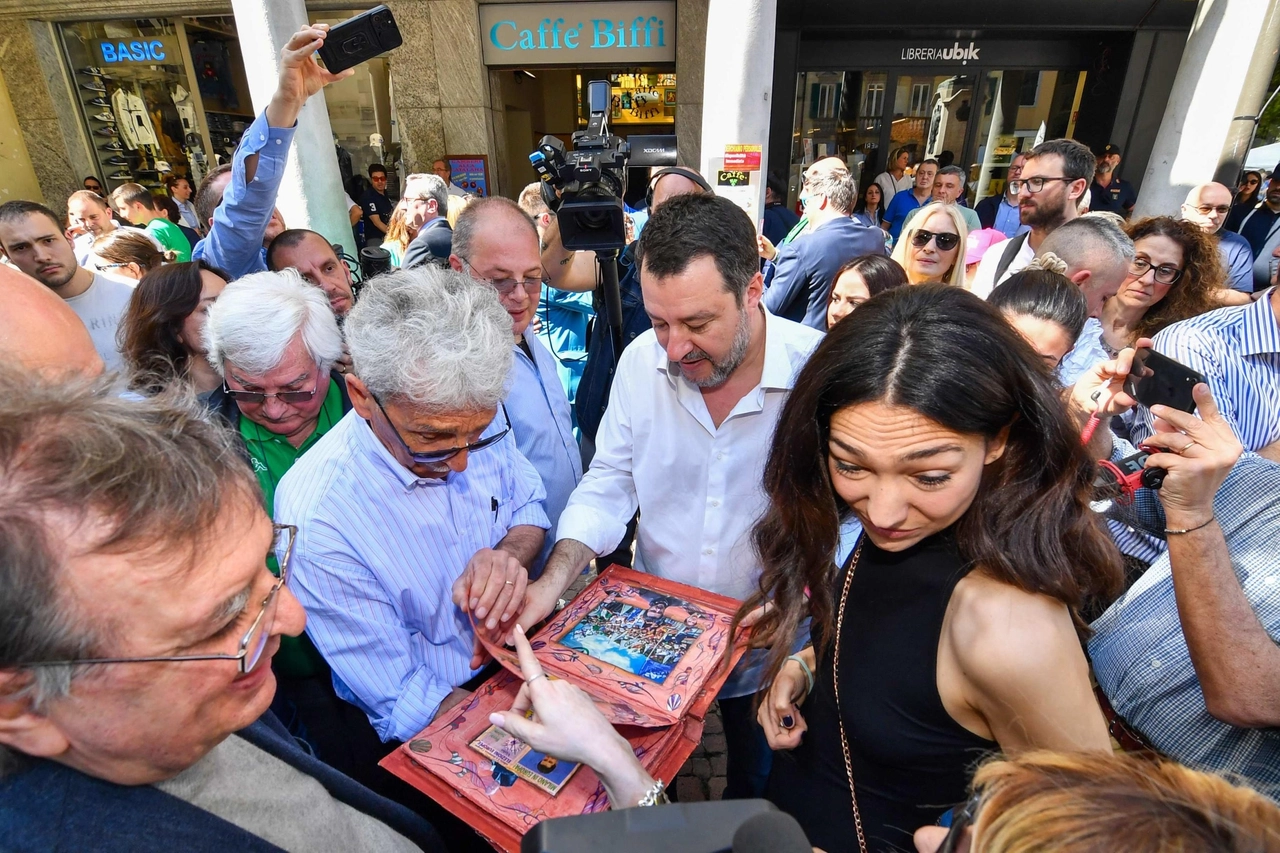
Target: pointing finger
529 666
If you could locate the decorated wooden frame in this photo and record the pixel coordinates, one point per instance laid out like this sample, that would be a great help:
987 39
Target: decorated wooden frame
641 646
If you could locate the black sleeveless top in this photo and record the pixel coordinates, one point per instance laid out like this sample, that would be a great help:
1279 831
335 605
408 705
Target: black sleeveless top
911 760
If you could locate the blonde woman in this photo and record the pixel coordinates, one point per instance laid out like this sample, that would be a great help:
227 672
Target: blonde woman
931 248
457 204
127 253
397 238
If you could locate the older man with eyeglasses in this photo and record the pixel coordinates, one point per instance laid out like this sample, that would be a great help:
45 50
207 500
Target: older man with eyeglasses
1208 206
138 620
497 243
417 513
426 200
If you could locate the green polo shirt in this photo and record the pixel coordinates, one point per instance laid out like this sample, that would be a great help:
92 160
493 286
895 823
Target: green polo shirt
271 456
171 237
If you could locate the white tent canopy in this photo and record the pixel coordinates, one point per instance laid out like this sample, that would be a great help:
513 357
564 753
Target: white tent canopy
1265 157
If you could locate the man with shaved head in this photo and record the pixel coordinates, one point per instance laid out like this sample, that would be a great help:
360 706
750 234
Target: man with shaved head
314 258
496 242
40 333
1207 206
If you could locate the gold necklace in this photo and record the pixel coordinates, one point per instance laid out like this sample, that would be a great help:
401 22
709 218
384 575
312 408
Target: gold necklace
835 672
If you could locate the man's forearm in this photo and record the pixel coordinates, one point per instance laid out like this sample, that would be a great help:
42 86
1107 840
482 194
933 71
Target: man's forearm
563 268
524 542
1237 662
566 562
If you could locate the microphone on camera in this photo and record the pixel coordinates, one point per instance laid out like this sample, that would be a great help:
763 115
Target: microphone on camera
771 832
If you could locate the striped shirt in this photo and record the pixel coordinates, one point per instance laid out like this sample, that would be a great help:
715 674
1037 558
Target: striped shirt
1140 656
377 552
1238 351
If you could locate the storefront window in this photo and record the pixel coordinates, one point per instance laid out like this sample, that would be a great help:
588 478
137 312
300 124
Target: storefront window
977 120
637 98
136 100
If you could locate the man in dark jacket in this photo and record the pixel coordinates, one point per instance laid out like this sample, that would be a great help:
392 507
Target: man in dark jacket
145 555
804 269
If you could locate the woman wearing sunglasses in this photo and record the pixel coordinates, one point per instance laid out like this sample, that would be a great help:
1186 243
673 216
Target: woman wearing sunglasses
928 511
1176 274
162 331
127 253
1051 801
931 248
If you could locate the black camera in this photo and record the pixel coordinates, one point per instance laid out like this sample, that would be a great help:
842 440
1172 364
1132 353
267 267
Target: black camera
593 177
357 39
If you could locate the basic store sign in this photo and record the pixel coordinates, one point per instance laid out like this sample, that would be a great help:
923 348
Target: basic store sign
565 33
142 51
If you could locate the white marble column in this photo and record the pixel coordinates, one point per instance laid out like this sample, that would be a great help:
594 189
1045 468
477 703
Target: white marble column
311 193
737 94
1202 105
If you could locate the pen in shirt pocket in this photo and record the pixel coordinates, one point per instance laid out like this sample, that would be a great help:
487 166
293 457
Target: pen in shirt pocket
493 504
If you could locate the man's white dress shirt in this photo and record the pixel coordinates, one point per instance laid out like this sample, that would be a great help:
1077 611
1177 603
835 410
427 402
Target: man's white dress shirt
698 486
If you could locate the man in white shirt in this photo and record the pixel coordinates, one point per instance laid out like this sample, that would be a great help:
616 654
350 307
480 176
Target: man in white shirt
684 439
32 237
1056 174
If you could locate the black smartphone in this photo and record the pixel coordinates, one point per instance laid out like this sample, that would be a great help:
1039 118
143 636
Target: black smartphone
357 39
1157 380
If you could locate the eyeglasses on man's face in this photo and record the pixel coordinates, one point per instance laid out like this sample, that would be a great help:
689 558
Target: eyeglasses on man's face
1033 185
1209 209
435 457
258 397
1164 274
506 286
252 643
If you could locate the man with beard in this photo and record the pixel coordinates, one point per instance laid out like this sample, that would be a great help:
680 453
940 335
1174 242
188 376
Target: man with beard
315 260
685 435
1055 175
1107 192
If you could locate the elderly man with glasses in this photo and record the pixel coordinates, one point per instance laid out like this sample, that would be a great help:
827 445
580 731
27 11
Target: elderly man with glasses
496 243
136 629
1208 206
417 513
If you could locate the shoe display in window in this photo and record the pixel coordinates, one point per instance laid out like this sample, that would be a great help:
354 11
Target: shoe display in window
97 102
105 131
93 86
121 176
104 117
92 71
117 161
113 145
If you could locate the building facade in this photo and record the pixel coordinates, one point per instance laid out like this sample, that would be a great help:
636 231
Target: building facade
970 82
141 90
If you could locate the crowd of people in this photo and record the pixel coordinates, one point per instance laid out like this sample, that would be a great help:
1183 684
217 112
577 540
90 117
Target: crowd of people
258 515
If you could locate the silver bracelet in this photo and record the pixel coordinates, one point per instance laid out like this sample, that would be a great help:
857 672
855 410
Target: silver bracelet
654 796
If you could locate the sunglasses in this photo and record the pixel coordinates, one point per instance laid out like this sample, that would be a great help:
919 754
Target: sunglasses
945 239
961 819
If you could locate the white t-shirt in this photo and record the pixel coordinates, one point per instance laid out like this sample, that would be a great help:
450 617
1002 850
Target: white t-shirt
889 187
100 309
984 279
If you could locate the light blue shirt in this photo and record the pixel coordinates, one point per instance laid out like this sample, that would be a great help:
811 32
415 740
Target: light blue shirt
1238 351
564 317
543 427
234 242
1008 219
377 552
1140 655
1237 260
1088 351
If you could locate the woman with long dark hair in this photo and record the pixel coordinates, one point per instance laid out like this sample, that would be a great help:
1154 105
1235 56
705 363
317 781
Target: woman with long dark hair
870 208
1046 307
927 427
857 281
162 331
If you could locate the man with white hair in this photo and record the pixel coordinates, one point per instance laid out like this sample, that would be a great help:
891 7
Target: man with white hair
274 340
416 513
426 199
1207 205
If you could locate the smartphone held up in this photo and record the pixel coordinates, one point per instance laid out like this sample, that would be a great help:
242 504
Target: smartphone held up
361 38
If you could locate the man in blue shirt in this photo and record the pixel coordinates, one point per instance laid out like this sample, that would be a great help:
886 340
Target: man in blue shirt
1001 212
1188 656
496 243
239 203
1207 206
563 315
904 203
416 513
